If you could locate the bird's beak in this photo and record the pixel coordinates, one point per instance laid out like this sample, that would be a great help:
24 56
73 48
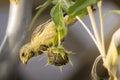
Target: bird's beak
24 62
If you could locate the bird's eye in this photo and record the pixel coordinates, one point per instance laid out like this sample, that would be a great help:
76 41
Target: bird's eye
32 53
23 54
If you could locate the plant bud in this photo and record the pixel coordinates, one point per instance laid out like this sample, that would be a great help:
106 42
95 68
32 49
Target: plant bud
57 56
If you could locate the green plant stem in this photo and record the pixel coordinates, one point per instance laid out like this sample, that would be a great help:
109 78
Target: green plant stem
45 5
59 41
101 26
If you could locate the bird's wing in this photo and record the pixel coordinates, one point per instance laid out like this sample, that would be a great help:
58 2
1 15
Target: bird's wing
37 32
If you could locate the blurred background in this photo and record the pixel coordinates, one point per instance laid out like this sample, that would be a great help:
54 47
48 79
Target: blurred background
78 41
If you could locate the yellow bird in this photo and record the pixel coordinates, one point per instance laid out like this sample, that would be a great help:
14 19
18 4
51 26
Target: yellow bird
42 38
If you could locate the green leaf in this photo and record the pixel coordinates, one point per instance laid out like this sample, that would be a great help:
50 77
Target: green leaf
82 13
79 5
58 19
111 60
66 4
57 15
55 1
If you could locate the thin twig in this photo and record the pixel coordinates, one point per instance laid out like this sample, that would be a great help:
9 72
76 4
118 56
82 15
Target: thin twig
96 39
93 71
3 43
92 19
91 35
86 28
101 26
93 24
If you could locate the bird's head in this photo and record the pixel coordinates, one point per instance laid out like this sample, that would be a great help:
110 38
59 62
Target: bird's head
26 53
